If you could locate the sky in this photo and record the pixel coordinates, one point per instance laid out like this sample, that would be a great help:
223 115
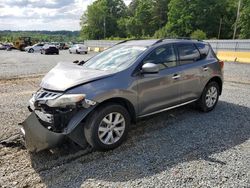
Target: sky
49 15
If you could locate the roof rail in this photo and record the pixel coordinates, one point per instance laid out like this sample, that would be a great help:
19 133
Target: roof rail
124 41
158 41
189 38
183 38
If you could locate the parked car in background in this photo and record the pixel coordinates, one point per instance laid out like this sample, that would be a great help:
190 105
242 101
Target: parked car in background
2 47
78 49
49 49
35 48
6 46
95 102
64 46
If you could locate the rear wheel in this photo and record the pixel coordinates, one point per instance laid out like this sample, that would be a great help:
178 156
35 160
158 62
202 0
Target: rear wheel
107 127
31 50
209 97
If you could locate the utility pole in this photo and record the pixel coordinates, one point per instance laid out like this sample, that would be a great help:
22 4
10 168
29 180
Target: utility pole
104 27
237 19
220 28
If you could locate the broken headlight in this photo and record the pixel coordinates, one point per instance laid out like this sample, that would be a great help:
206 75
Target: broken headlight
65 100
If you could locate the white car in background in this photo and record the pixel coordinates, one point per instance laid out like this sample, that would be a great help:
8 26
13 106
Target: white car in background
78 49
35 48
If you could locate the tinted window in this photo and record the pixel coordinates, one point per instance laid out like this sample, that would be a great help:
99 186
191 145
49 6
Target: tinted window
203 48
164 56
188 53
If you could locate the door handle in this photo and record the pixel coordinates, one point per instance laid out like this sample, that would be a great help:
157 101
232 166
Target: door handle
205 68
176 76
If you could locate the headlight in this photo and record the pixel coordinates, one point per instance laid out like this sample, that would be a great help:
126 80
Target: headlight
65 100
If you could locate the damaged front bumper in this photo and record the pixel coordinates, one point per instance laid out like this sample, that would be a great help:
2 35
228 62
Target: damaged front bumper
38 137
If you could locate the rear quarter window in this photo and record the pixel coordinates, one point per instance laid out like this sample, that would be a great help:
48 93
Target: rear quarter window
188 53
203 48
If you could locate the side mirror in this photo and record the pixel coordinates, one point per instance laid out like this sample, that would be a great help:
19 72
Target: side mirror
150 68
76 62
79 62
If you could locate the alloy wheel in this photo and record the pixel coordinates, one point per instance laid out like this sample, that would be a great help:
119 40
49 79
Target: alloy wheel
111 128
211 96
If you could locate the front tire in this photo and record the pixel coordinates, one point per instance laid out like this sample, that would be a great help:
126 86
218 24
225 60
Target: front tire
107 127
209 97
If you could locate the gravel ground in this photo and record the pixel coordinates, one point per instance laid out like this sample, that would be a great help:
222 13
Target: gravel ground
16 63
178 148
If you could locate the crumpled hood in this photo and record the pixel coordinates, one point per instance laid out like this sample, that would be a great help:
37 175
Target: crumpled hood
66 75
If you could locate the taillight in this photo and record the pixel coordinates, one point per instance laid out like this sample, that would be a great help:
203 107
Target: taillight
221 64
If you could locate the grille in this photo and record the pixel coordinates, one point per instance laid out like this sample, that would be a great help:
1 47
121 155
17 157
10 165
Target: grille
46 95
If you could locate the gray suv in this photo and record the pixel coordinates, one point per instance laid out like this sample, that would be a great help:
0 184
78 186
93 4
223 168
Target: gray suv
94 102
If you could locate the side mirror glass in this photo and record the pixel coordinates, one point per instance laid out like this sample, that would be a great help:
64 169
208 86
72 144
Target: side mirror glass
150 68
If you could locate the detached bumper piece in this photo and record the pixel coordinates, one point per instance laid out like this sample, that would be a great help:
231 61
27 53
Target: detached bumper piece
37 137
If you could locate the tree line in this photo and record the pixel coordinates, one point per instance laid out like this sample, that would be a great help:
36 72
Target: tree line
210 19
42 36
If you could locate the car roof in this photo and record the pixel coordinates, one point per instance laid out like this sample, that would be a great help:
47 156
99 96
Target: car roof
151 42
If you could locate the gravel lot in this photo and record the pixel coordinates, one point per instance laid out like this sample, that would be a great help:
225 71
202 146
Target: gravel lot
15 63
178 148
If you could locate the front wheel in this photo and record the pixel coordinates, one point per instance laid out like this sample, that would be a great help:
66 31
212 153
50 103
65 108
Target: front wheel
209 97
107 127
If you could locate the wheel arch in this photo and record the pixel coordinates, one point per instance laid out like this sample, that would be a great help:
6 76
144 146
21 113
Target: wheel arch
123 102
218 80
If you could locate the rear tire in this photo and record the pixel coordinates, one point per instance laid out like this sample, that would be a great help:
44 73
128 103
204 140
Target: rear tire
107 127
31 50
209 97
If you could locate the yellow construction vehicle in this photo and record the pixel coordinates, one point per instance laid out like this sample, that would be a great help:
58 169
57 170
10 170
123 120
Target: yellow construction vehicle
22 42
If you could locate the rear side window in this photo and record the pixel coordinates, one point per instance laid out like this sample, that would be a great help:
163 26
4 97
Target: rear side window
188 53
203 48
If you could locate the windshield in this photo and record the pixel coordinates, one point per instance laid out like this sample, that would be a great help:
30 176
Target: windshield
116 58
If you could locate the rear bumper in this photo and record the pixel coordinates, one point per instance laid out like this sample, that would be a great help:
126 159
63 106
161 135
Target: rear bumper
37 137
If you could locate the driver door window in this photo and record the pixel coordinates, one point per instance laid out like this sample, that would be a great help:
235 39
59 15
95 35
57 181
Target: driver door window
164 56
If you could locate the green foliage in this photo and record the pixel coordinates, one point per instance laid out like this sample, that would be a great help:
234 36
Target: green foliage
198 34
245 20
102 19
140 19
186 16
